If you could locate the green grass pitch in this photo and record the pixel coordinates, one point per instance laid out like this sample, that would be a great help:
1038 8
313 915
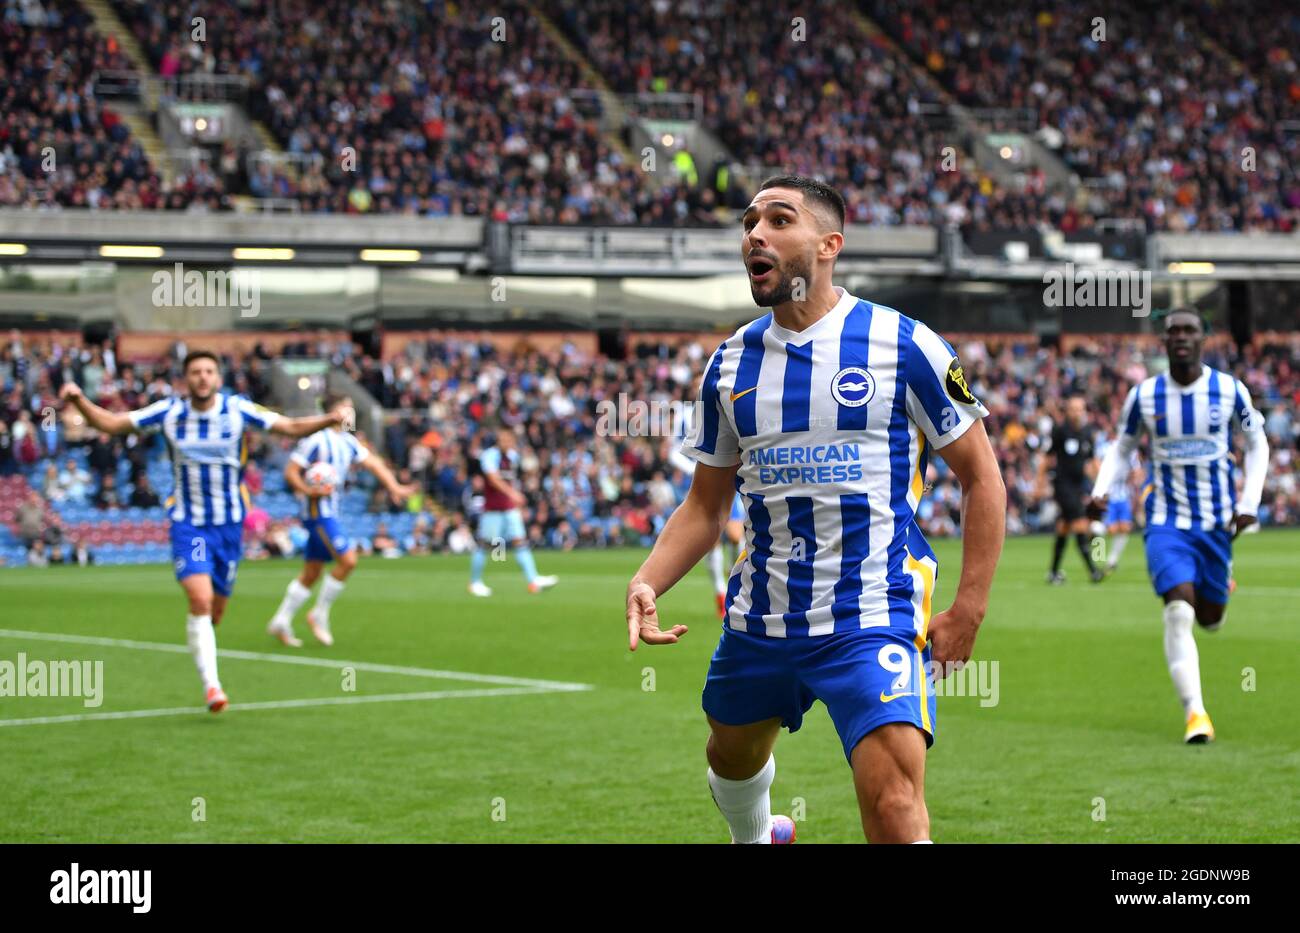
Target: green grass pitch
1085 711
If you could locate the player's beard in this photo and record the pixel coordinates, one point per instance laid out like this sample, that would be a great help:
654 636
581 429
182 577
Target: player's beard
782 291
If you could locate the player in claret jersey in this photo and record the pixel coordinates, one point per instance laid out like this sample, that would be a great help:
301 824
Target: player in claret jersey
1192 513
502 519
824 414
205 434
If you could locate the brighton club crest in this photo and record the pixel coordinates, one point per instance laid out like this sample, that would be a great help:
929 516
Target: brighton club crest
853 386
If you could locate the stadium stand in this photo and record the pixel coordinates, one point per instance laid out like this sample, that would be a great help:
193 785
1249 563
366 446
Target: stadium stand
1155 120
59 145
1157 115
584 489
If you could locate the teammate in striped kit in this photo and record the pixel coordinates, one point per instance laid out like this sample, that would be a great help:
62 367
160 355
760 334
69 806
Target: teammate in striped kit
824 414
205 435
1119 513
326 540
1192 513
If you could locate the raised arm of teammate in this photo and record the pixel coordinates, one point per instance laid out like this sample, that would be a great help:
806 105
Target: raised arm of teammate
101 419
301 427
398 492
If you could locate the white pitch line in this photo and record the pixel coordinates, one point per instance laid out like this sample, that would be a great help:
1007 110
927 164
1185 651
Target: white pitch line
280 704
309 661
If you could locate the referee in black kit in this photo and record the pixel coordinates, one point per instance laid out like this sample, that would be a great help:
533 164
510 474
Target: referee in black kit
1068 457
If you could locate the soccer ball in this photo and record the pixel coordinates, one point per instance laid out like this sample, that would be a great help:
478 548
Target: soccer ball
320 476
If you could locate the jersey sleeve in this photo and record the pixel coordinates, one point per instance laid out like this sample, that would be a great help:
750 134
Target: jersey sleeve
1118 460
1245 416
255 414
1255 468
1130 416
151 416
304 451
939 400
490 461
712 440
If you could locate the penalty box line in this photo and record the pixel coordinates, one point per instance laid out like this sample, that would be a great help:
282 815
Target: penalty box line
308 661
508 686
281 704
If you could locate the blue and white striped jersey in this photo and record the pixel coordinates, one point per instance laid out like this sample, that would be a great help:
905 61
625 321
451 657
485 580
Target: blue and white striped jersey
340 450
208 453
831 427
1121 490
1192 468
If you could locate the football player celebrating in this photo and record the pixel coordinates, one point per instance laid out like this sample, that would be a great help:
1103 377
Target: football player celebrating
205 433
826 411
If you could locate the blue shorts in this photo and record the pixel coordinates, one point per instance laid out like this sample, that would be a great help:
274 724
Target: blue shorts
866 678
737 509
325 539
501 526
1201 558
211 549
1119 510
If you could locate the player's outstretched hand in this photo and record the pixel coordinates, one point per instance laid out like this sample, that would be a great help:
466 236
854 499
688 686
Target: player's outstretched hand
69 392
1241 522
1096 508
400 494
643 619
952 636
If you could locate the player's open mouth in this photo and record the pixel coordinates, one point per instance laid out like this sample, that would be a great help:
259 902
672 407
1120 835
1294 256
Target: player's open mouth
759 269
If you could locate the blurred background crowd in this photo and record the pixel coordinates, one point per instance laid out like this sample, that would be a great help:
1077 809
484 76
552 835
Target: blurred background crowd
62 484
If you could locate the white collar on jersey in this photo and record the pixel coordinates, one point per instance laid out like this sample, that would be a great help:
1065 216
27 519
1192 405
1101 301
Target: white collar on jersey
800 337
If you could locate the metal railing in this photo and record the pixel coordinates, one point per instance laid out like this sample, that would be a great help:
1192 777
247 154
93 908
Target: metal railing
187 87
1007 119
295 161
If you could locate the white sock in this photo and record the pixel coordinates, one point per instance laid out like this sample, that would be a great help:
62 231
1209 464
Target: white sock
746 805
202 639
294 597
923 842
329 591
1117 543
715 569
1180 653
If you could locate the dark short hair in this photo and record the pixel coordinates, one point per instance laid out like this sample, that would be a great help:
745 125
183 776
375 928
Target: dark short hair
199 355
813 190
333 399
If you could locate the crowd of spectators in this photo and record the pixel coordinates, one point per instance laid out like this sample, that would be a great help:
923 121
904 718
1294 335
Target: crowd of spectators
59 145
813 94
586 487
412 108
1141 99
1181 117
